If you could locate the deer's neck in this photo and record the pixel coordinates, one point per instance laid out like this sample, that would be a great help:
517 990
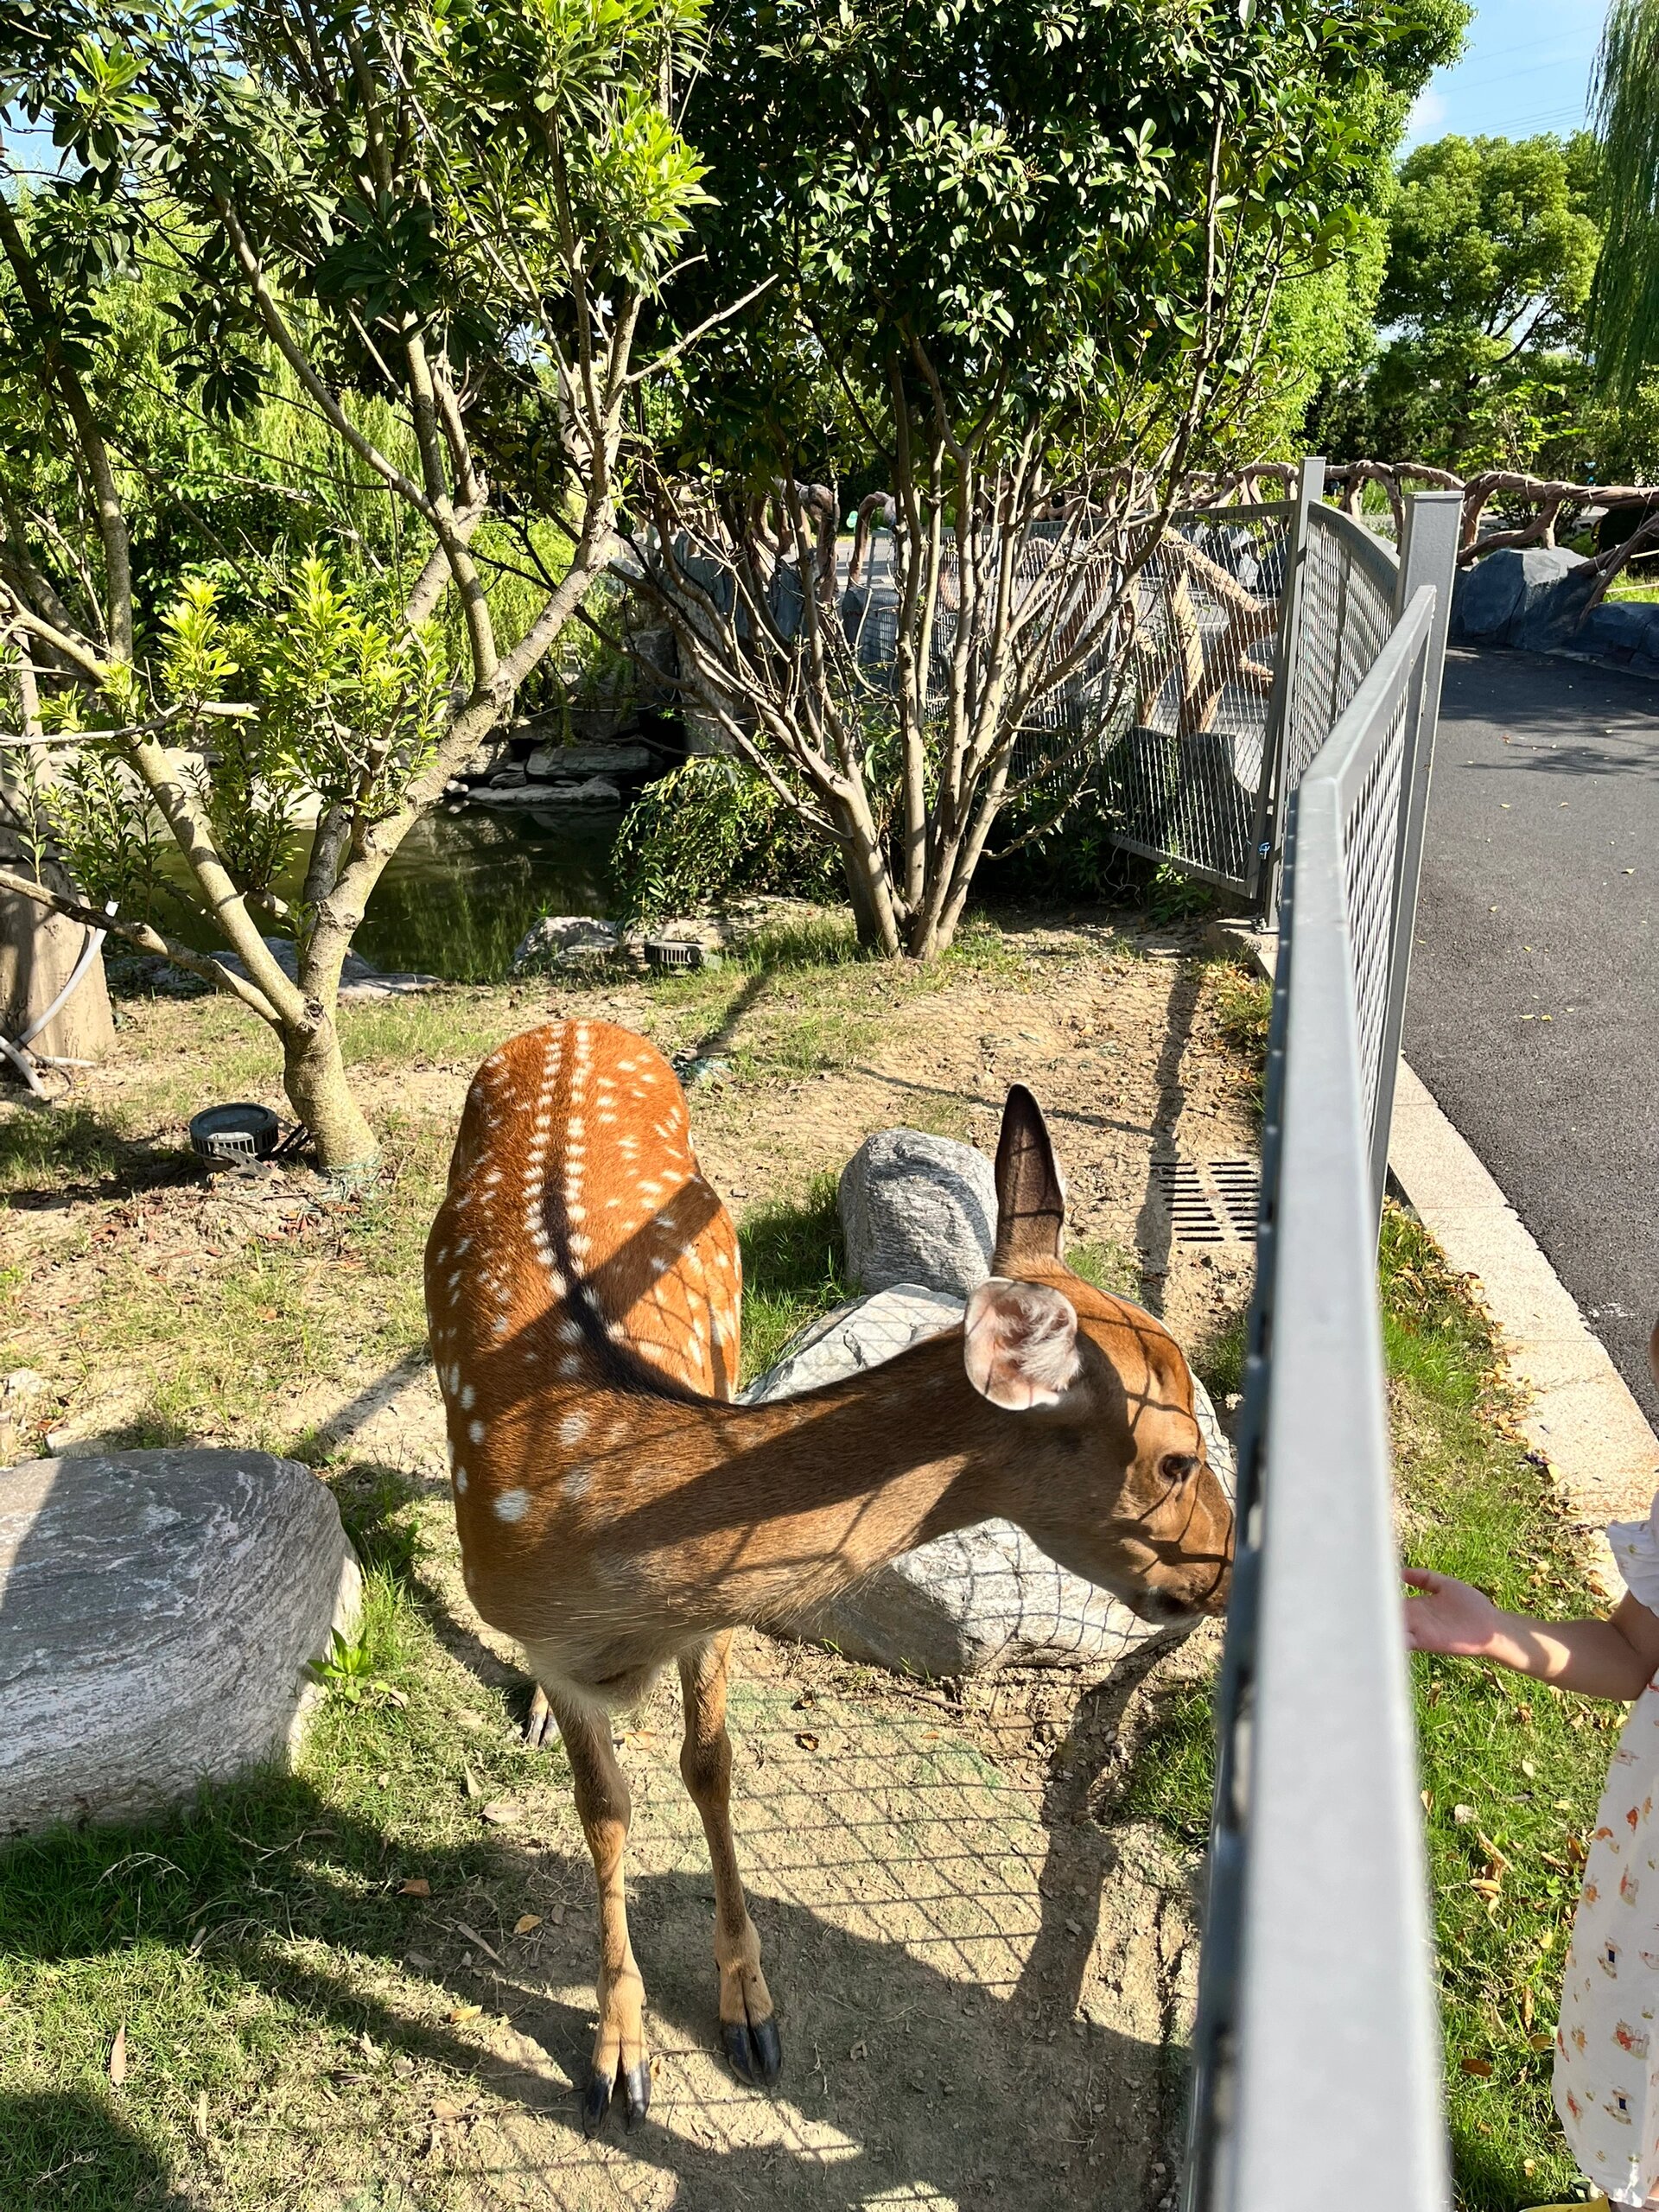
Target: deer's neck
697 1515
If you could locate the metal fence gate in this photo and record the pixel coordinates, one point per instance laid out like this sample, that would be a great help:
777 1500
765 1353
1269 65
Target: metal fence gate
1317 2078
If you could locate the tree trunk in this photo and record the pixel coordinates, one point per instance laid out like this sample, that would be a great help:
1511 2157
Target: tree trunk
315 1078
38 952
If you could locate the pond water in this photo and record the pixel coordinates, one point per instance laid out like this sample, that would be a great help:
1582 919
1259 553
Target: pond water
464 887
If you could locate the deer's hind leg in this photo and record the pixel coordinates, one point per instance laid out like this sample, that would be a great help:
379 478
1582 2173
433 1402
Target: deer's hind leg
748 2029
602 1800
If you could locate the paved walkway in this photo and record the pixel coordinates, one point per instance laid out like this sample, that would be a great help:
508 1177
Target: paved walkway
1535 1004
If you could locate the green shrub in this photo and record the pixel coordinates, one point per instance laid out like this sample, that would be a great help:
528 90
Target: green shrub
710 829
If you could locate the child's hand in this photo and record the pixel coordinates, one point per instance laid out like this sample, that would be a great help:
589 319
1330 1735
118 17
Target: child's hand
1451 1617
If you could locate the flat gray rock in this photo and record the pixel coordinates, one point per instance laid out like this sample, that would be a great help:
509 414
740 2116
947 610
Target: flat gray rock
575 763
596 792
981 1597
918 1209
159 1611
358 979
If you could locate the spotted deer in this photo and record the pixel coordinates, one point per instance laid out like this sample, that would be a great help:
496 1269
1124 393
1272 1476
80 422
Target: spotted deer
617 1511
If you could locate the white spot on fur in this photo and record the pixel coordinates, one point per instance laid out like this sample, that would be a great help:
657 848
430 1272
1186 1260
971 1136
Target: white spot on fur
512 1505
576 1482
477 1431
573 1428
570 1366
468 1399
460 1479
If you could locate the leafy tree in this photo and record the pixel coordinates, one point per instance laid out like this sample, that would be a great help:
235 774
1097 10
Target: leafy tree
1492 246
1018 267
433 216
1624 308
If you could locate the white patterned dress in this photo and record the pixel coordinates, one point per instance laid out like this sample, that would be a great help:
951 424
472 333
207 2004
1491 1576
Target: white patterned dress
1607 2044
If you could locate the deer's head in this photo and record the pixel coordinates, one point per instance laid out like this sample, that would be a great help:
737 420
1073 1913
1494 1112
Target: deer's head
1108 1464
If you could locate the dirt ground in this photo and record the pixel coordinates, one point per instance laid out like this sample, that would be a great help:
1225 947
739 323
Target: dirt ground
983 1975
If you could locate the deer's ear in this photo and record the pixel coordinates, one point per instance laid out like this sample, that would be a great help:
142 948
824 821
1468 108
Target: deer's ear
1019 1343
1030 1197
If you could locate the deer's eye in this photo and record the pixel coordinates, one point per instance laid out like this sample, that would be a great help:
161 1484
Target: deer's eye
1179 1467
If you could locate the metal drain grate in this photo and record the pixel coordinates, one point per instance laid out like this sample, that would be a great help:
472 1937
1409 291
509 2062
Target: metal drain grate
1210 1201
1239 1182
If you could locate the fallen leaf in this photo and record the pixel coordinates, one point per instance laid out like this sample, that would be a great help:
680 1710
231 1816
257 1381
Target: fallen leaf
392 1696
526 1921
1427 1796
1526 2006
475 1787
500 1814
463 2012
1463 1814
808 1743
1481 2068
1543 2042
1487 1887
444 2109
201 2115
860 2051
473 1936
118 2056
1529 1769
415 1886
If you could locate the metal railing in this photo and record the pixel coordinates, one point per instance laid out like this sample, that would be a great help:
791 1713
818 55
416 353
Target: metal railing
1317 2078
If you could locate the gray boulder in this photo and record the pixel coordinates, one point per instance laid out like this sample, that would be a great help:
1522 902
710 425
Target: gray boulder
1624 631
159 1611
1532 596
983 1597
567 941
918 1209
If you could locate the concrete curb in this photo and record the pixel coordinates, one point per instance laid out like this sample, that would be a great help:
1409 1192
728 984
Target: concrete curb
1581 1417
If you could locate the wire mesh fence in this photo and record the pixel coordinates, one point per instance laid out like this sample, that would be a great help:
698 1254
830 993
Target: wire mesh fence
1182 778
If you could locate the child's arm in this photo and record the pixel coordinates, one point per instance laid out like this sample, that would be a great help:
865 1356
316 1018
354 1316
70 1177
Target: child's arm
1614 1658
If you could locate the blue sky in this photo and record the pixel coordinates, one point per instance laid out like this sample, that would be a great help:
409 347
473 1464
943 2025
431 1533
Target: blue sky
1525 68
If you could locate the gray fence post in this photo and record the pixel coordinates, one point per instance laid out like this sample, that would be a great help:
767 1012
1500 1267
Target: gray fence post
1428 555
1268 830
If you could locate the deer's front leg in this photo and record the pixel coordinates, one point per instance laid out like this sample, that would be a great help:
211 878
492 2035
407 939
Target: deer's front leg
602 1800
747 2027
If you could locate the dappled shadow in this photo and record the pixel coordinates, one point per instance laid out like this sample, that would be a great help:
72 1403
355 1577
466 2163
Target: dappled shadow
1152 1228
57 2144
1543 695
889 2045
50 1160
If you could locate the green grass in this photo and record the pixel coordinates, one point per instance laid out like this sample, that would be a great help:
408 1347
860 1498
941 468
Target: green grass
248 1946
1524 1764
793 1259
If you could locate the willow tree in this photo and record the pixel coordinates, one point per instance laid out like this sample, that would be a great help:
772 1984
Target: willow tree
439 222
1624 106
1024 261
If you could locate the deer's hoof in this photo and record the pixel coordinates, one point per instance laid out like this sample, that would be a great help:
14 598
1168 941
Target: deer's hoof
636 2089
752 2048
595 2103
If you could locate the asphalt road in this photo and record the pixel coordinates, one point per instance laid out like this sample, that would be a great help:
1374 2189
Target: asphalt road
1534 1016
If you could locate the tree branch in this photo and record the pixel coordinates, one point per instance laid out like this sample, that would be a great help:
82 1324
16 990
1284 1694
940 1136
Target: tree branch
147 939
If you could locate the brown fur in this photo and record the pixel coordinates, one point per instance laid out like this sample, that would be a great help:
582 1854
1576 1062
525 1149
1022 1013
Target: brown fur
616 1511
